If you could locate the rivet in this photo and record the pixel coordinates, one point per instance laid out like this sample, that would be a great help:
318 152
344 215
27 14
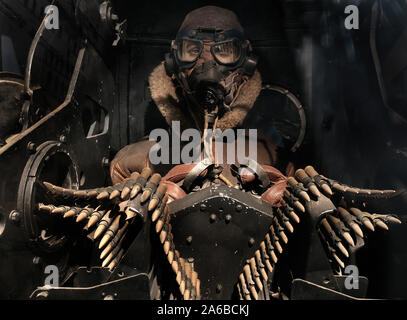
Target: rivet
31 146
62 138
15 216
105 162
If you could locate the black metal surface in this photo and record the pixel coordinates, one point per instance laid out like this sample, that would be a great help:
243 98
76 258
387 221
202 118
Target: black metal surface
220 246
11 88
306 290
82 127
88 277
135 287
359 292
318 268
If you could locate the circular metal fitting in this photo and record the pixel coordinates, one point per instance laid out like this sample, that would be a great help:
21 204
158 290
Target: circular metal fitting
55 163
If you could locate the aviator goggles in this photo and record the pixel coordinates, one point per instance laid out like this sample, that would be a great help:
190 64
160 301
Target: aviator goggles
229 48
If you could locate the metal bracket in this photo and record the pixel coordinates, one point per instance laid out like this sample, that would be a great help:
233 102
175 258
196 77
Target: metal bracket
306 290
135 287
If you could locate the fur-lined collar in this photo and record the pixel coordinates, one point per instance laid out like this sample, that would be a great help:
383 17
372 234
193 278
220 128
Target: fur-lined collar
163 93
